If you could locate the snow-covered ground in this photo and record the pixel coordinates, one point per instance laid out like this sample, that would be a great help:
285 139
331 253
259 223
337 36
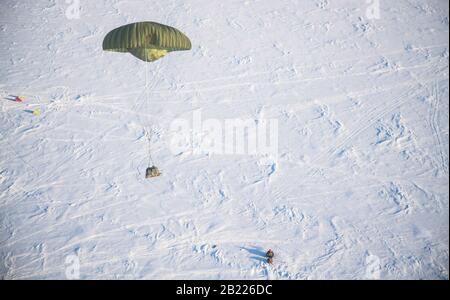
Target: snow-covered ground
358 188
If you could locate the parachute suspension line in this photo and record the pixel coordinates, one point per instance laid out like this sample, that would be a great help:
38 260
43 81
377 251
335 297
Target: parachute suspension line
148 130
149 138
146 82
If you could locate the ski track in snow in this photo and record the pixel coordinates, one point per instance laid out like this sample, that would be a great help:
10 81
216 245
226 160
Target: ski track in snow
359 189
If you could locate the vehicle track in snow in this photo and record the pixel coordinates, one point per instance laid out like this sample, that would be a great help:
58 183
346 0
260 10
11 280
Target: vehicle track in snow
434 123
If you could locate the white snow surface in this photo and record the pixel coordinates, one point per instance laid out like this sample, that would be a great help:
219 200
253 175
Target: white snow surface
358 190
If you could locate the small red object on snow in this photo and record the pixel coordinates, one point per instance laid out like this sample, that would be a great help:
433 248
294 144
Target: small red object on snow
19 99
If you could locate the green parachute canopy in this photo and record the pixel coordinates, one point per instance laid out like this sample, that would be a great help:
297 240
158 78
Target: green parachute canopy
148 41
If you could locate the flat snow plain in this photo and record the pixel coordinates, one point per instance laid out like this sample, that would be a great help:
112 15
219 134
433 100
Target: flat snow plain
358 188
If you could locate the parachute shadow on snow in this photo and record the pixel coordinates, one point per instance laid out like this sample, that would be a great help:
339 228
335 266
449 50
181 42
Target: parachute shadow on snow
258 253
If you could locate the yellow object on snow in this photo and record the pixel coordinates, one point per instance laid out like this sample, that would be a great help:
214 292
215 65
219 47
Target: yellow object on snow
36 112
